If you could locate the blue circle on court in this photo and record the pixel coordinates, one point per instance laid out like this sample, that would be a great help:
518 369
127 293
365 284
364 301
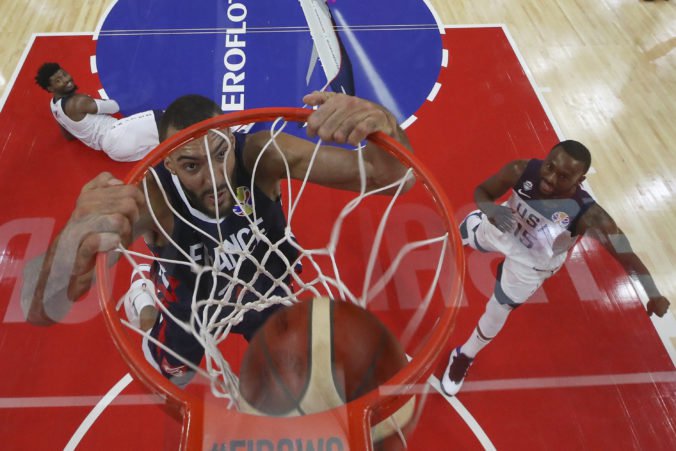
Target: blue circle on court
248 54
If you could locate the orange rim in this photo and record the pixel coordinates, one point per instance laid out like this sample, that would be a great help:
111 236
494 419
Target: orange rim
364 411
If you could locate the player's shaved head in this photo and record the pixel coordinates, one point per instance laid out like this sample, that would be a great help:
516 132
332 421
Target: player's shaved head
186 111
577 151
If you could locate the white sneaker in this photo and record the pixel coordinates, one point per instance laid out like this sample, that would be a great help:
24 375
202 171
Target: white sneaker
454 375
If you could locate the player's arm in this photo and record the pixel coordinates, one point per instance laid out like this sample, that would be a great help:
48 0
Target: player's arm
66 134
493 189
597 223
107 213
340 119
80 105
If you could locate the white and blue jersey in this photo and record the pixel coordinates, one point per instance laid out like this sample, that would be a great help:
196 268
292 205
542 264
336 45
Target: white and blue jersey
545 228
538 245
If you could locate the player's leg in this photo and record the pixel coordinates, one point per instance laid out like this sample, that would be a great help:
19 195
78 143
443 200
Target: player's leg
132 137
490 323
172 337
476 232
142 311
514 285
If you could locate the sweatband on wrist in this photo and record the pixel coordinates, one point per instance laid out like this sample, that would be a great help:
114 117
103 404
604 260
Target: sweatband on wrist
106 106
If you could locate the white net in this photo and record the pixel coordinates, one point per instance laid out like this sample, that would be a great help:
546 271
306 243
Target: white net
233 278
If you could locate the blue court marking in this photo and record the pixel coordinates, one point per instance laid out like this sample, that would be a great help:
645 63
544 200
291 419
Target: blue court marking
149 53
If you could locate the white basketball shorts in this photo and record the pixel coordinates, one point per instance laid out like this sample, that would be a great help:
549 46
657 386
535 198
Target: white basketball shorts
517 279
131 138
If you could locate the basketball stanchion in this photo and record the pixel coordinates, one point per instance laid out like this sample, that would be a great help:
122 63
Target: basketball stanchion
340 363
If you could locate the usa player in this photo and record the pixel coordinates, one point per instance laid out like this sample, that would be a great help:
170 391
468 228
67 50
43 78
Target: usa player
109 213
90 120
544 216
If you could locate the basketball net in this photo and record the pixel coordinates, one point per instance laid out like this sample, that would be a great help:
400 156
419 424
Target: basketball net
323 256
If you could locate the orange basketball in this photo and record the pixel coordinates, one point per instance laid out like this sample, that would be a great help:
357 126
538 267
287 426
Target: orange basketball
316 355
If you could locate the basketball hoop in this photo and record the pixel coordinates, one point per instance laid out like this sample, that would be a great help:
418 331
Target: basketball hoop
409 275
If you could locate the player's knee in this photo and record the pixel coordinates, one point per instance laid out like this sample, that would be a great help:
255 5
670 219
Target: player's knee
494 318
179 375
468 230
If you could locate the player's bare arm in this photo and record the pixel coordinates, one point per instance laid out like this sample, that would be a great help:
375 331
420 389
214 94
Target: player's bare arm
66 134
598 224
107 214
80 105
154 229
493 189
341 119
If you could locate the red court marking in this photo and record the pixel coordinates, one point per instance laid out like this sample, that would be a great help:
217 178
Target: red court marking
484 114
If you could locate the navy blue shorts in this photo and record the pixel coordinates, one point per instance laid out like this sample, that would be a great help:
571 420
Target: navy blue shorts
170 334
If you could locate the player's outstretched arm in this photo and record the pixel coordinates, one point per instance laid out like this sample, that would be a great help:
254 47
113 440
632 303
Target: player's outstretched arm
106 214
598 224
493 189
339 119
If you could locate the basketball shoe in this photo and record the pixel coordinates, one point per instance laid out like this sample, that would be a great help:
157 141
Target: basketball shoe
454 376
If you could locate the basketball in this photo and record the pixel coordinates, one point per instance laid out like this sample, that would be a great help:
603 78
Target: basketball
317 355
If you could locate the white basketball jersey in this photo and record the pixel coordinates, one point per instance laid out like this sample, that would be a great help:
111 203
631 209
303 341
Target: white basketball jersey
545 228
89 130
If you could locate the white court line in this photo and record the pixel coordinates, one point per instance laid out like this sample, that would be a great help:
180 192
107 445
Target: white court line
554 382
534 85
527 383
532 383
14 76
607 380
486 25
92 64
465 415
444 57
38 402
433 93
22 61
256 30
437 19
96 411
102 94
407 123
271 29
103 18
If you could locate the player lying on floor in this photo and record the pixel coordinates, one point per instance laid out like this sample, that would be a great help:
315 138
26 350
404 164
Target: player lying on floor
90 120
109 213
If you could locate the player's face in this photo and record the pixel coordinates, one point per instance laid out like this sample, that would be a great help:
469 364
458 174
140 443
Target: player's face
61 83
560 174
191 164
